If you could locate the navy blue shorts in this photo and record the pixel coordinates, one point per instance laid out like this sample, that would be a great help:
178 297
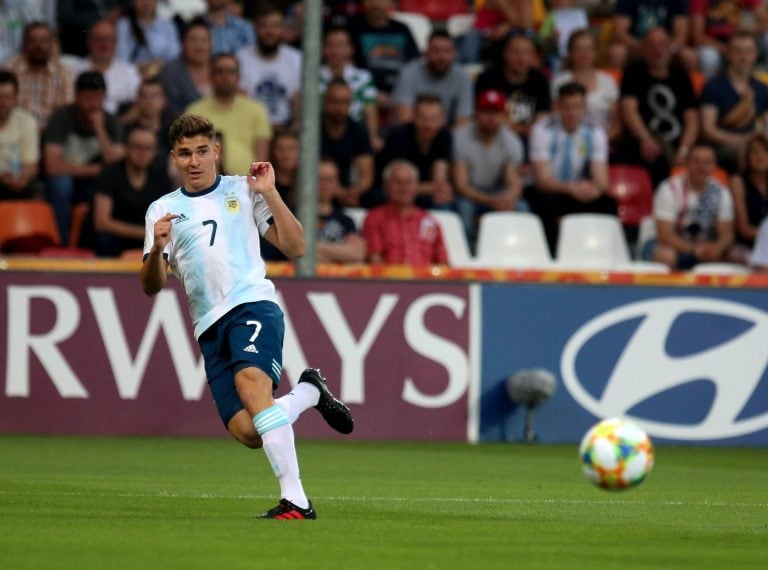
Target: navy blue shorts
249 335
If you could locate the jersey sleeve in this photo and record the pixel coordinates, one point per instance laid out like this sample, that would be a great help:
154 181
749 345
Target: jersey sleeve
154 213
262 215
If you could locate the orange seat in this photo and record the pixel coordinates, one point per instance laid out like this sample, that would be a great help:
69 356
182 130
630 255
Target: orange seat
720 174
631 186
27 226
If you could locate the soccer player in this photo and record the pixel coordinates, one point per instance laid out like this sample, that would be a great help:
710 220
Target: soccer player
208 232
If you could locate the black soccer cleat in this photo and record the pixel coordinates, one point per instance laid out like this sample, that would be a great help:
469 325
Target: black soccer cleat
287 511
334 412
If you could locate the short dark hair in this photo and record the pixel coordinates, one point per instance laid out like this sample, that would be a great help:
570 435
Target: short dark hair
225 55
334 29
9 77
440 34
31 26
570 89
196 22
90 81
338 82
188 126
428 98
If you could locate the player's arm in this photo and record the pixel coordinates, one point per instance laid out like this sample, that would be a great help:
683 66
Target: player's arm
154 271
286 232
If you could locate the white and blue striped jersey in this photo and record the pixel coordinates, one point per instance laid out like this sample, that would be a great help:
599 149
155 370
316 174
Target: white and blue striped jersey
568 153
214 247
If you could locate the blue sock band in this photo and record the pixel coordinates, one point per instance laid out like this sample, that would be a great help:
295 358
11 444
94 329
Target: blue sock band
269 419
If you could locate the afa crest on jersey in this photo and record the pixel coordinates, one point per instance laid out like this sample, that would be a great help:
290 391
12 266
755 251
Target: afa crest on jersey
233 205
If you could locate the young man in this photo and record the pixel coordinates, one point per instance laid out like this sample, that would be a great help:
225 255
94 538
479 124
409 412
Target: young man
208 232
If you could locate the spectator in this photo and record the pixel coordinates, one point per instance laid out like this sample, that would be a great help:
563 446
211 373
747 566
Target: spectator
123 192
399 232
437 73
337 55
19 143
426 143
527 89
494 21
347 142
633 19
271 72
712 23
229 33
77 16
150 112
122 78
382 45
79 140
602 91
337 238
284 155
14 15
188 77
145 39
759 258
180 11
44 81
486 158
564 19
658 109
242 121
734 104
694 215
570 163
750 195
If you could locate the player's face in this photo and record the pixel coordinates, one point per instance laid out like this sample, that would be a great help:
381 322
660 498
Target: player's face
195 159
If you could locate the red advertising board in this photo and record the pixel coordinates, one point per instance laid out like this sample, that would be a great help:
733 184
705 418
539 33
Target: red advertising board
91 354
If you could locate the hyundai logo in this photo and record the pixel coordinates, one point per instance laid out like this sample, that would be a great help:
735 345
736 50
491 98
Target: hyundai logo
647 368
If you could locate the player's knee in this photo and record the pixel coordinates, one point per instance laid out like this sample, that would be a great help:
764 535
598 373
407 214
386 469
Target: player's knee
253 441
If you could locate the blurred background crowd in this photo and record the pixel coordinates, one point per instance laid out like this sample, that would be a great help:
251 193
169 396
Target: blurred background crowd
549 107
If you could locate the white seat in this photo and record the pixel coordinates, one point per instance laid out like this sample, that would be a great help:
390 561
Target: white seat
454 238
646 232
592 241
358 216
459 24
712 268
512 240
419 24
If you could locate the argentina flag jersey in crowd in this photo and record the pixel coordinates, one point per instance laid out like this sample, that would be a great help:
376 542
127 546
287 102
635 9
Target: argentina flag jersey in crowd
215 241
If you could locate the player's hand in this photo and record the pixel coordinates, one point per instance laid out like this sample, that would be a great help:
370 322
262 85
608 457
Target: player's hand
163 231
261 178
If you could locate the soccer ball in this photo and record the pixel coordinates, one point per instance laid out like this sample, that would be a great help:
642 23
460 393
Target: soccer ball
616 454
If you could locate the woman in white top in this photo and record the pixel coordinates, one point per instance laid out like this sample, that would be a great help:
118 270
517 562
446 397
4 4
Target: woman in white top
602 91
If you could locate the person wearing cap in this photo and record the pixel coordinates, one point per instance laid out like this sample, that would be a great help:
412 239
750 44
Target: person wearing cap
487 155
79 139
569 158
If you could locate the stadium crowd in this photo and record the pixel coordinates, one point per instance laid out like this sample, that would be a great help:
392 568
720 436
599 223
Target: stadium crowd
526 106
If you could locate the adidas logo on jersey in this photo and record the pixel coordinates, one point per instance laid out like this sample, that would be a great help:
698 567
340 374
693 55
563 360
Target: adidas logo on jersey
181 218
251 348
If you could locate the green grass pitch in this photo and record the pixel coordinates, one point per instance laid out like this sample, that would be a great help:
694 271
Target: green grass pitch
142 503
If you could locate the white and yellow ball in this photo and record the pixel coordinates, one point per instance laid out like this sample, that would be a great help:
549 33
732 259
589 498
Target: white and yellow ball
616 454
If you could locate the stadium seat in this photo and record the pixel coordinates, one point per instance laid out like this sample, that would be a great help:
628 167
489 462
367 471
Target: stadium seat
419 24
357 215
592 241
437 10
632 188
459 24
27 226
713 268
646 232
454 238
511 240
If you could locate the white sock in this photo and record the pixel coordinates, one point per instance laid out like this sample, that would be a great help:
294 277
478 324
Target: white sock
302 397
277 435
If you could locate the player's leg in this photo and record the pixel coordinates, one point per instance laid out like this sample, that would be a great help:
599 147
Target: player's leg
312 392
272 425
